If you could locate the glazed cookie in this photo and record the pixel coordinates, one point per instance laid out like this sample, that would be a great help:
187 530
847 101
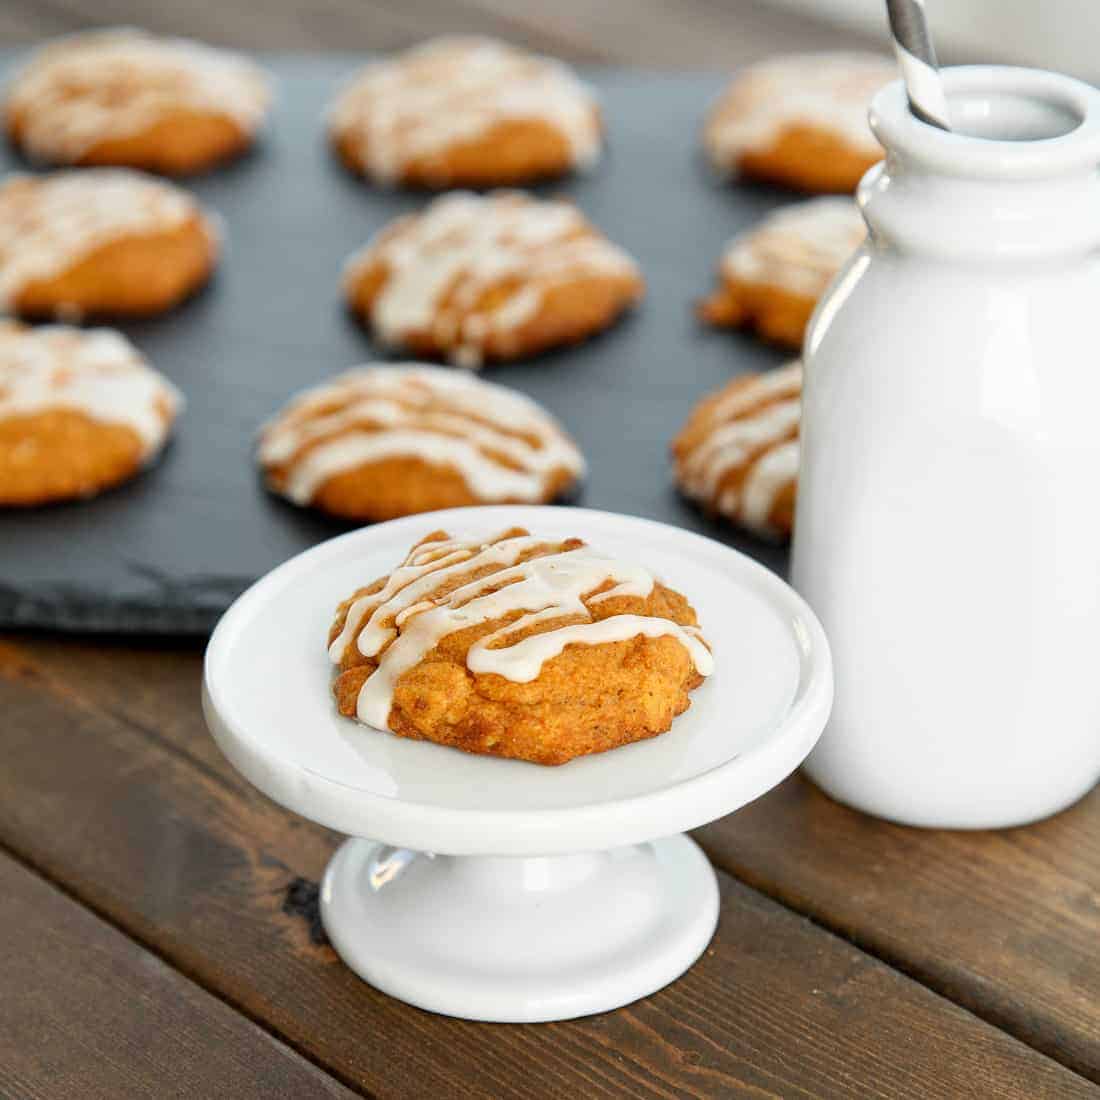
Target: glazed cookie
737 455
465 112
393 440
772 276
100 242
80 411
517 646
800 120
478 278
123 97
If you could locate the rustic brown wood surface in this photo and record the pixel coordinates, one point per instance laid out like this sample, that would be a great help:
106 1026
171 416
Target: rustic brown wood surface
112 787
1006 923
86 1012
676 33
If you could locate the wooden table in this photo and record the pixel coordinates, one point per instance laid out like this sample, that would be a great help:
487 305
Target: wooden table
146 948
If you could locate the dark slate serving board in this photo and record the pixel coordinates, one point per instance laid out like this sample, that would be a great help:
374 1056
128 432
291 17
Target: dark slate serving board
168 552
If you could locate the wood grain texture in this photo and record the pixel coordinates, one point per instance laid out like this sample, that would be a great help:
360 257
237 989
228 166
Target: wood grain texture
86 1012
113 788
663 33
1006 923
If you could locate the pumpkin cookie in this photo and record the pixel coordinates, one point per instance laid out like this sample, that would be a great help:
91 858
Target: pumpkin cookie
738 453
772 276
517 646
386 441
80 411
800 121
479 278
100 242
465 112
123 97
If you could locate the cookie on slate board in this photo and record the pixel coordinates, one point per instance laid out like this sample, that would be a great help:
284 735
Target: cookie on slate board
737 455
517 646
123 97
100 242
799 121
771 276
465 112
393 440
482 278
80 411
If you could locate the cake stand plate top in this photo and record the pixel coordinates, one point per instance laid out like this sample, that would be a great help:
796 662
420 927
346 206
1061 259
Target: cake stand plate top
267 695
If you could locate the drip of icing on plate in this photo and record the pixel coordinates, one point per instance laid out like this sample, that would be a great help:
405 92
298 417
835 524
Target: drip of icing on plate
439 264
416 608
456 89
753 429
87 88
50 223
97 372
502 443
798 248
826 91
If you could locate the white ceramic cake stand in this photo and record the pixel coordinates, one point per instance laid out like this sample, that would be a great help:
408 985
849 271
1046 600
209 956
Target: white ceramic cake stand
550 892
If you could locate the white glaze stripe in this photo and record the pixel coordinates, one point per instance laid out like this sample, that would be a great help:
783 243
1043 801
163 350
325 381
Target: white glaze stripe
50 223
732 444
522 661
453 90
97 372
544 589
79 91
438 265
772 472
751 427
424 412
825 91
798 248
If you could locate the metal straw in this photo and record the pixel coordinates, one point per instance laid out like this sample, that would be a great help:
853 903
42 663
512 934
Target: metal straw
917 58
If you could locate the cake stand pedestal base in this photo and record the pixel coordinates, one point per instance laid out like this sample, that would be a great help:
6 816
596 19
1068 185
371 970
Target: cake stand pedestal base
520 939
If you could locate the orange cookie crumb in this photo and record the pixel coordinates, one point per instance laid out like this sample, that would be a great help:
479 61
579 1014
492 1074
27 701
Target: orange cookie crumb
123 97
479 278
517 646
738 453
772 276
80 411
465 112
102 242
393 440
800 121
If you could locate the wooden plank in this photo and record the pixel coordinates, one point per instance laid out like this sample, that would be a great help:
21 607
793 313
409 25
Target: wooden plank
693 34
146 825
686 34
87 1012
1005 923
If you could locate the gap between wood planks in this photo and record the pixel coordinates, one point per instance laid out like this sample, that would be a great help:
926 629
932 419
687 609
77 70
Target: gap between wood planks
90 1011
176 966
17 666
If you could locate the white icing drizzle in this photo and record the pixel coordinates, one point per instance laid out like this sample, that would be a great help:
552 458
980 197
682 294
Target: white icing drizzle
50 223
406 619
81 90
97 372
753 428
828 91
453 90
798 248
440 263
773 471
419 411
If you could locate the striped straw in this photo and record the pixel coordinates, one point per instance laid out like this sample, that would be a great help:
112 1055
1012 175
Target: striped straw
917 58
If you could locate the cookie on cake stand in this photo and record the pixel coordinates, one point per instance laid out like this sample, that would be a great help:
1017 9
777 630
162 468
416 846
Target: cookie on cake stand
549 892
